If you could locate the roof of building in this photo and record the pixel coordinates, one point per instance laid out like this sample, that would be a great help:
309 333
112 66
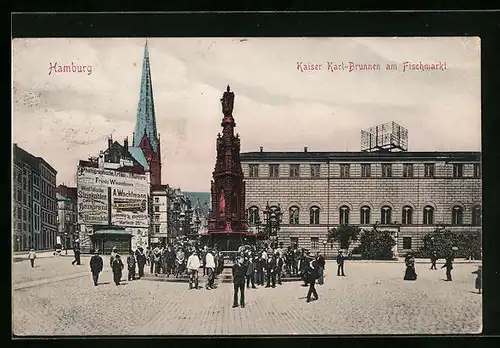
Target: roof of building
138 155
360 156
146 119
21 155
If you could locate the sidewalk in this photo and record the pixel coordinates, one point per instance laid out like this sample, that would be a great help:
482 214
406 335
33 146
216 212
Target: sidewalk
402 260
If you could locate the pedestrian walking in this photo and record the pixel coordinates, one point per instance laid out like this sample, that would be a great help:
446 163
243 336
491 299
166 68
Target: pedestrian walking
320 260
112 256
141 261
410 273
239 271
340 264
117 268
312 276
76 252
261 262
250 274
170 256
434 259
96 266
210 269
449 266
32 257
479 278
131 266
193 265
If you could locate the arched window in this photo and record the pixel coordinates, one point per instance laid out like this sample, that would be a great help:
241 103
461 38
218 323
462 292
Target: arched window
407 217
294 215
365 215
428 215
457 215
314 215
385 215
476 215
344 215
253 215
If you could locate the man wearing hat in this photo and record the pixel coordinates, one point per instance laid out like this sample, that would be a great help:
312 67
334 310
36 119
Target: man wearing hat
96 266
340 263
449 266
193 264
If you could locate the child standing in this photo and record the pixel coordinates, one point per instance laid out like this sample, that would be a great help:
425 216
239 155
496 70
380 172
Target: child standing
32 257
479 279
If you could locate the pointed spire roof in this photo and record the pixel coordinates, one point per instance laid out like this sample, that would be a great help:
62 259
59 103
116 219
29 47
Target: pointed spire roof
146 119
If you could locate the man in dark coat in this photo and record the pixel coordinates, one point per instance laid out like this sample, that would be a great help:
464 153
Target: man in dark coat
320 259
141 261
170 259
131 266
239 272
76 250
449 266
96 266
250 275
271 267
117 268
434 258
312 276
340 263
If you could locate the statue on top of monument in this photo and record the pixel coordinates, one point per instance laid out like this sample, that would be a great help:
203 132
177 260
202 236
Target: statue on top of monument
227 101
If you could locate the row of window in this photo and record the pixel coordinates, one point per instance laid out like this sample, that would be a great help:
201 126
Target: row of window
315 245
48 174
457 215
366 172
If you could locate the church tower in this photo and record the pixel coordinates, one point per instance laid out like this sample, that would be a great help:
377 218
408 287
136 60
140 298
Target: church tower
145 135
227 217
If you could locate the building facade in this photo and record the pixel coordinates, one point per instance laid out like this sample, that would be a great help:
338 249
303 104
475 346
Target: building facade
161 199
34 202
408 193
67 217
113 200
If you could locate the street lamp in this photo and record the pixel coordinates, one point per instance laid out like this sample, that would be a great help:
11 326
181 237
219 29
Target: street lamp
324 248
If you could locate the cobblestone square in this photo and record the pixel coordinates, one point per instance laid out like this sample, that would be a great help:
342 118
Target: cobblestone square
57 298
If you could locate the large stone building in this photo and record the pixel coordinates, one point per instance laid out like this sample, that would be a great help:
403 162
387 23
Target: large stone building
34 202
67 218
408 193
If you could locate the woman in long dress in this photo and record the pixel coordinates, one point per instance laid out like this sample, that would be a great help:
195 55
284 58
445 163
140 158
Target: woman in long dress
410 273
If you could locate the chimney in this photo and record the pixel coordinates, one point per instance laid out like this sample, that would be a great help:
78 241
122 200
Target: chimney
110 141
261 149
305 148
125 144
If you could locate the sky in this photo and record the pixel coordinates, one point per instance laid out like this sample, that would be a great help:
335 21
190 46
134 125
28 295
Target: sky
66 117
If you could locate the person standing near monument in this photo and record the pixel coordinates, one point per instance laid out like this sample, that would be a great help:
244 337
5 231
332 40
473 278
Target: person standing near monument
320 259
312 276
210 269
239 271
96 266
76 251
193 265
434 258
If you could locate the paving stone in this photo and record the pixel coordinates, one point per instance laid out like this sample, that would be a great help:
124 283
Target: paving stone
57 298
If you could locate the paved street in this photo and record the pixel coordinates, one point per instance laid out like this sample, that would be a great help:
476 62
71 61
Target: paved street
56 298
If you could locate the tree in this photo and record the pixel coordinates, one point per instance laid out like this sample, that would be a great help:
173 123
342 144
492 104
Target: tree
376 245
344 234
441 242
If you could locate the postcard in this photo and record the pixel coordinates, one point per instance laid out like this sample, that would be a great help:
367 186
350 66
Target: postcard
246 186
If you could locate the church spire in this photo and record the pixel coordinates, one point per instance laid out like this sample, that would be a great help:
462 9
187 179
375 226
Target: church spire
146 119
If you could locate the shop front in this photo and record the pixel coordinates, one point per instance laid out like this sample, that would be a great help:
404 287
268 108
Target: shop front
105 240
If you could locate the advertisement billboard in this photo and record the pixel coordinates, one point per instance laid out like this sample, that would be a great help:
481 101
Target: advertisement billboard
104 192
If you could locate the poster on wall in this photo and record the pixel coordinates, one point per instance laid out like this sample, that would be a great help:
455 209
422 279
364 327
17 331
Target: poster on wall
101 189
92 197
